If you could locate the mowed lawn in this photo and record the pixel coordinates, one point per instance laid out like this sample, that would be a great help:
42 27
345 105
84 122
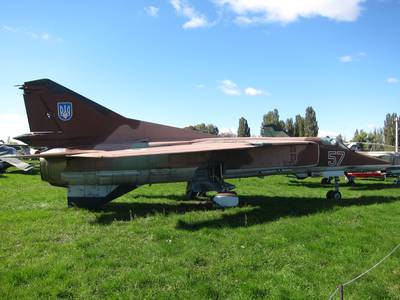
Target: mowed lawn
285 241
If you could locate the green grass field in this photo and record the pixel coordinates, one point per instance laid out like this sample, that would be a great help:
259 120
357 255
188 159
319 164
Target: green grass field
285 241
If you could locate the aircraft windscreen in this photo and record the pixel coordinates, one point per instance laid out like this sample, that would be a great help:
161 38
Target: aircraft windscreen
333 142
329 141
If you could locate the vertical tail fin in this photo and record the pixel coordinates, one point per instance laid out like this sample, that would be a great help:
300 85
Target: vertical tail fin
59 117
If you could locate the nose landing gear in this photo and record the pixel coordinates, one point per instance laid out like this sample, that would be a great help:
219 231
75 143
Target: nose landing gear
334 194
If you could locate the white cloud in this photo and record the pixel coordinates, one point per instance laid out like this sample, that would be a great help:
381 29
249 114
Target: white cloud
200 86
392 80
351 58
286 11
244 20
12 125
195 19
195 23
34 35
253 92
346 59
152 11
230 88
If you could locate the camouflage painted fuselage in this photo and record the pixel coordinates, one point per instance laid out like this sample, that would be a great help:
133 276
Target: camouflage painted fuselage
311 158
100 155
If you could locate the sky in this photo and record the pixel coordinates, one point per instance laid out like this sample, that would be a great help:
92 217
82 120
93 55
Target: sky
183 62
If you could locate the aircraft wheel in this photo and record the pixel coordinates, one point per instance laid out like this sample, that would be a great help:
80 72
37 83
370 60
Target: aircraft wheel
336 195
333 195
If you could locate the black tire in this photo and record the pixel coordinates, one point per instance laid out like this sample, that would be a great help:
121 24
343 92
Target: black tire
329 195
336 195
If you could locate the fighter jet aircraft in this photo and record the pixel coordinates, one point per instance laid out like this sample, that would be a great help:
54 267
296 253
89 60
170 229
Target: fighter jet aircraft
100 155
6 162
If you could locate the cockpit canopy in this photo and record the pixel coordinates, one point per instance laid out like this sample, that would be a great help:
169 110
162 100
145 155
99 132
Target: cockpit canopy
330 141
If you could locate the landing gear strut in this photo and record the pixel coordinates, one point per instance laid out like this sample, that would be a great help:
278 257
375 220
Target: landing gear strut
211 179
350 179
334 194
192 195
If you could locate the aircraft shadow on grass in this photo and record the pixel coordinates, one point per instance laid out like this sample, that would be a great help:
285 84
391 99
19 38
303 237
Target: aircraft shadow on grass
264 209
115 211
268 209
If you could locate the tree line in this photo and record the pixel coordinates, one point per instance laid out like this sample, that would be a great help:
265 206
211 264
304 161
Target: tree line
385 135
299 126
306 125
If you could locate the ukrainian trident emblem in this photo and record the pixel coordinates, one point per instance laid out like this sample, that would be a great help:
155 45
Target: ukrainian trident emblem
64 111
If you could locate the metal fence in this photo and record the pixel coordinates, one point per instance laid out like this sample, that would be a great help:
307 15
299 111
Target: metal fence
340 288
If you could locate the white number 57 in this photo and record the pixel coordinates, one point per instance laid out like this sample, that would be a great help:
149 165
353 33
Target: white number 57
335 158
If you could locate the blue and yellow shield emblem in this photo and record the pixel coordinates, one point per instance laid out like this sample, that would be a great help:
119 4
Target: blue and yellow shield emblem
64 111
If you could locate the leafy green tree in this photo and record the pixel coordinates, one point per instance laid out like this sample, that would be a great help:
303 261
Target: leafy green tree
310 122
355 137
244 129
289 127
299 126
281 125
272 118
375 136
360 136
390 128
210 128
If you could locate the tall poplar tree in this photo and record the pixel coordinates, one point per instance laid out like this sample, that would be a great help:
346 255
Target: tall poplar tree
289 127
299 126
244 129
310 122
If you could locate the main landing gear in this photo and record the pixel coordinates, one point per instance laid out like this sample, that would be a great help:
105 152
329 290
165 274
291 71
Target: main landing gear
211 179
334 194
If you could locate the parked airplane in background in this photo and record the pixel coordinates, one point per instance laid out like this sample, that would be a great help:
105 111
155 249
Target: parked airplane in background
100 155
6 162
393 170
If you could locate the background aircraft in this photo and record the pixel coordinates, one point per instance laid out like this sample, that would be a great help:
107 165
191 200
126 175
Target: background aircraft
100 155
6 162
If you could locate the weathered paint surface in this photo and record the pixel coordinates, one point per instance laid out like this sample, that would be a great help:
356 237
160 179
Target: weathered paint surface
93 146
